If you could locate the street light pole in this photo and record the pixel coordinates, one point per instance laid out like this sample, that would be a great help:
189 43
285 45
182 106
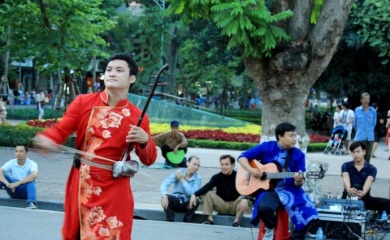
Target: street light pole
161 4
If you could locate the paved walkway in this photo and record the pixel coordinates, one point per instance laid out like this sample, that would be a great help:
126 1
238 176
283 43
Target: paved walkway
54 169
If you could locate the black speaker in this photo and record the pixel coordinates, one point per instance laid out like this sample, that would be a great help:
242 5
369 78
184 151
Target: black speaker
339 230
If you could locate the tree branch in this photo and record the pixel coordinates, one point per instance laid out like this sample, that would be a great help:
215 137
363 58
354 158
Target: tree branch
326 35
300 26
46 22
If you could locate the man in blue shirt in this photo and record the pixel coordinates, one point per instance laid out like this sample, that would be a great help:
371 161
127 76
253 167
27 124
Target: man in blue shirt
364 124
358 177
18 177
287 192
186 181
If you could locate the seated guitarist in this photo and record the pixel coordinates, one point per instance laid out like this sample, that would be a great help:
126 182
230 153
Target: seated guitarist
286 192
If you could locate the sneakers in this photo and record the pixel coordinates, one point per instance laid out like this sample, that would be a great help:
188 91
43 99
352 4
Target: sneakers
269 234
31 205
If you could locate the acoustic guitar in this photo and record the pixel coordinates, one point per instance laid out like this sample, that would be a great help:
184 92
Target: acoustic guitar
247 185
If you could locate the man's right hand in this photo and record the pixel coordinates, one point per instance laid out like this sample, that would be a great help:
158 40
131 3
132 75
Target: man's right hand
164 202
43 144
176 149
352 191
192 201
256 172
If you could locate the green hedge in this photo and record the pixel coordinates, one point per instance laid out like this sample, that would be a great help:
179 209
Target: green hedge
30 113
22 134
10 135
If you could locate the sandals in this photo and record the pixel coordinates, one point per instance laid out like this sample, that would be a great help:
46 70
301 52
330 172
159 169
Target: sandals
208 222
236 224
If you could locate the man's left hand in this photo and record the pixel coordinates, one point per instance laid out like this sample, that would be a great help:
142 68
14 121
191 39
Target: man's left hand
360 194
298 177
137 134
179 176
13 186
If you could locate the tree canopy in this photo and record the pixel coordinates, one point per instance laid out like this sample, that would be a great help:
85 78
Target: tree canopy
59 34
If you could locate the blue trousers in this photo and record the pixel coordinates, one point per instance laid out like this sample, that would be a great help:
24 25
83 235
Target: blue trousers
26 191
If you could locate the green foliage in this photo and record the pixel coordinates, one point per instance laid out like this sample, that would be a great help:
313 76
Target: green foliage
245 115
249 24
219 144
12 135
315 13
316 147
372 19
141 35
64 33
356 66
312 147
28 114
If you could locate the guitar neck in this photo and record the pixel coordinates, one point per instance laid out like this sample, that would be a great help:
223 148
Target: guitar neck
280 175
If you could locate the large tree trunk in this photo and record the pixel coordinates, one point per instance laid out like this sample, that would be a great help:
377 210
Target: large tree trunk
285 78
5 85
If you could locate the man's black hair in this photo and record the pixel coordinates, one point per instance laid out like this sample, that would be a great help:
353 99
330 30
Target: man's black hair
128 58
355 145
22 145
192 157
282 128
232 159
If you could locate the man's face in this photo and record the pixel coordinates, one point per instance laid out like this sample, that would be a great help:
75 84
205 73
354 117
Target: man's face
174 129
288 140
226 166
117 75
193 166
358 154
365 101
20 153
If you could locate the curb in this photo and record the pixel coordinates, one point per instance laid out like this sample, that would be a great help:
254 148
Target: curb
139 213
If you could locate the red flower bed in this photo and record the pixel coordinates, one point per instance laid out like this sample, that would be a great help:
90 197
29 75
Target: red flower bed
41 123
219 135
315 138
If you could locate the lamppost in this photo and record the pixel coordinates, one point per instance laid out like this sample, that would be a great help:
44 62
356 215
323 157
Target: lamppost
161 4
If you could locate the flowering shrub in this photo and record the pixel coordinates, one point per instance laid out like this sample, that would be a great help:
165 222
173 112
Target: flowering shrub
249 133
156 128
44 123
221 135
315 138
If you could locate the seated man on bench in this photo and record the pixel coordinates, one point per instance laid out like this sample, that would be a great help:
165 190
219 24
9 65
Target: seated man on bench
358 176
226 199
172 141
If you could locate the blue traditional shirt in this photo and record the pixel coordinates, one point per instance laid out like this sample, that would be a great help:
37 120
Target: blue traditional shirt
364 124
295 200
180 189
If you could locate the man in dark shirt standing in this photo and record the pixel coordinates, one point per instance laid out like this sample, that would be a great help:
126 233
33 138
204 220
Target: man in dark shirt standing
380 124
358 177
226 200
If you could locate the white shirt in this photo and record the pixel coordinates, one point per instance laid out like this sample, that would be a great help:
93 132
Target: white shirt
347 118
20 172
337 119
